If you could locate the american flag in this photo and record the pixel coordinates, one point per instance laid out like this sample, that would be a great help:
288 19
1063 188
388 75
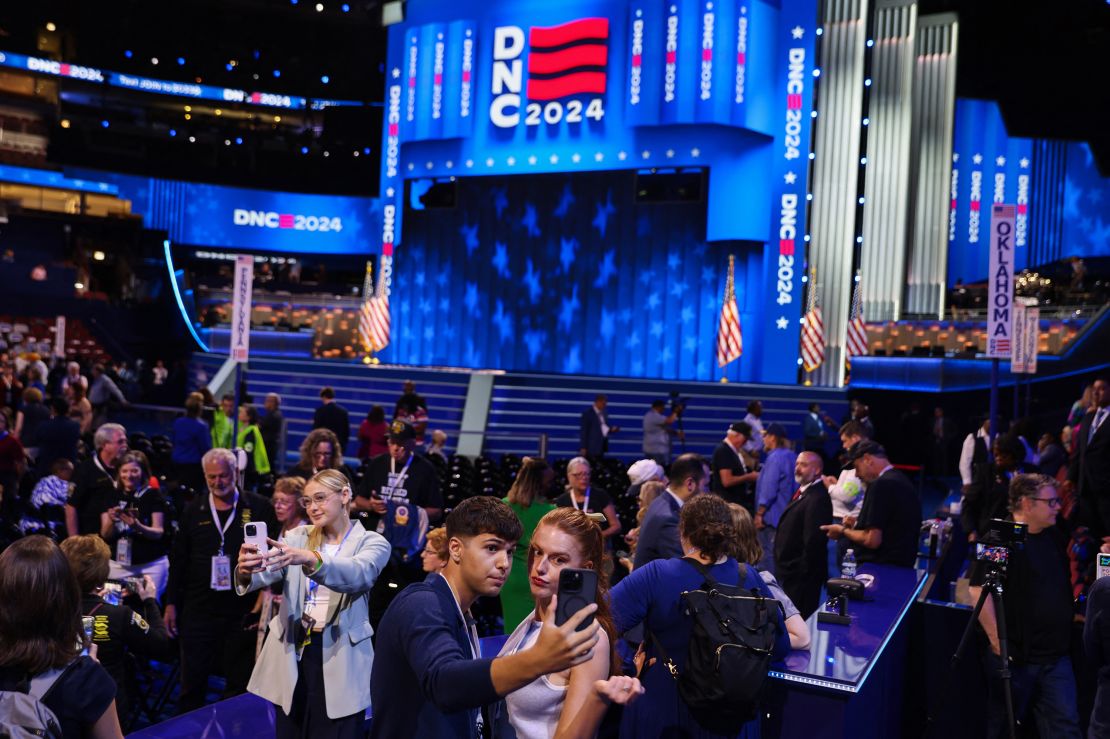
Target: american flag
813 330
857 330
373 316
729 342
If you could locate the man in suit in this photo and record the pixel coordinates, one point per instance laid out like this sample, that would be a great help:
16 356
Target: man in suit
801 556
732 480
594 430
1089 471
659 530
890 520
333 417
273 431
429 678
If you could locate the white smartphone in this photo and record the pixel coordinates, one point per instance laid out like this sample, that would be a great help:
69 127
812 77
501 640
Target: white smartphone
1103 565
255 533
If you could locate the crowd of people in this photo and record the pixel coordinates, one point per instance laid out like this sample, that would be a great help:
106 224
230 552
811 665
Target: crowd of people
336 594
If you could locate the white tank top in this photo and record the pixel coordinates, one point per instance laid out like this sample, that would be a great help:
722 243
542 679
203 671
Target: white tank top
534 709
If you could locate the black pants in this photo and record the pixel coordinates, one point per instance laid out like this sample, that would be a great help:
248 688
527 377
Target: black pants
211 643
309 716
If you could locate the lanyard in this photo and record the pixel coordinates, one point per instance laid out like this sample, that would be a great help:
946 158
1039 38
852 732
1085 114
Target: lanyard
400 481
312 584
585 504
216 520
98 463
471 631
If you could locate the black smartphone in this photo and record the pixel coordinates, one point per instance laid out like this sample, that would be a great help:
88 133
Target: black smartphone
577 589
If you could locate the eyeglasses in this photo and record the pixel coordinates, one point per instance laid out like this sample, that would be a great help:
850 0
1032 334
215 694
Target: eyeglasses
308 501
1052 502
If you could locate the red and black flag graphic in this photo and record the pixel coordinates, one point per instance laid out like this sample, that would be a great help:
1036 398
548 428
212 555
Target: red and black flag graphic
568 60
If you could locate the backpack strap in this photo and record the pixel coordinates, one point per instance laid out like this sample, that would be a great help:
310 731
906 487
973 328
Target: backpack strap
44 689
658 647
703 569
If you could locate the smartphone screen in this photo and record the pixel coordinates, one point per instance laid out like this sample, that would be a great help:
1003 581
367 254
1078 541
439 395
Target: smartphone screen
1103 565
577 589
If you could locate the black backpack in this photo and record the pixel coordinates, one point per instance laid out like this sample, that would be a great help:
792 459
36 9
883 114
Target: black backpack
730 648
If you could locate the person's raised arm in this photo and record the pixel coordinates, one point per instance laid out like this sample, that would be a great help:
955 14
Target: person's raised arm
556 649
614 528
583 706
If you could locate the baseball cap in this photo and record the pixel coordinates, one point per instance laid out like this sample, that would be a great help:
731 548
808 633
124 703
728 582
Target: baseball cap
776 429
867 446
401 430
741 428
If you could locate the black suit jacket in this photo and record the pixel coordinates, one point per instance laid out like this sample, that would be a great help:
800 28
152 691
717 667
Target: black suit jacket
590 436
801 548
334 417
1090 473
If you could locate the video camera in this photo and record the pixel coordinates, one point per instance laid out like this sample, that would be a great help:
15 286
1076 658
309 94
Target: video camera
678 403
1001 539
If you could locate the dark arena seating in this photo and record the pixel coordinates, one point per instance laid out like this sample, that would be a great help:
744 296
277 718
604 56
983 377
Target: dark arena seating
842 266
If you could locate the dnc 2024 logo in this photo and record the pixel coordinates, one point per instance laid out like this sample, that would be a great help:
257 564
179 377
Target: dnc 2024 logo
565 61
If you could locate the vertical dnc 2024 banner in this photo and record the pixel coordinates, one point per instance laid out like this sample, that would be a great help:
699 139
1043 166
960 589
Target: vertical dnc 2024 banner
503 87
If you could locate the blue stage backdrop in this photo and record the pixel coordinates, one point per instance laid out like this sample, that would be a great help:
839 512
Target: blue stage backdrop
201 214
533 87
1055 184
567 273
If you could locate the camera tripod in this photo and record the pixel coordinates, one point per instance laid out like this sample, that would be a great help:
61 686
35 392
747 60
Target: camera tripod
992 588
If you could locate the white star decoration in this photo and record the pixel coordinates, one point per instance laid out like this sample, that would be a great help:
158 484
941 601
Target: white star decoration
789 178
554 158
622 155
489 161
797 31
670 153
449 164
389 192
1024 163
396 73
977 159
598 157
695 152
645 154
511 161
955 157
1000 161
411 166
782 323
576 157
470 162
427 165
532 159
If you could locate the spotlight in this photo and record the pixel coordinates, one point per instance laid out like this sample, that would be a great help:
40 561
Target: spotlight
319 7
325 79
128 53
173 132
98 256
366 151
104 124
229 66
277 73
181 61
304 149
154 60
219 112
64 123
51 27
345 8
277 119
192 139
239 140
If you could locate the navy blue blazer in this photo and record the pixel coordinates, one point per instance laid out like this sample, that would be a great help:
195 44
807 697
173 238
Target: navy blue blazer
590 437
659 531
425 682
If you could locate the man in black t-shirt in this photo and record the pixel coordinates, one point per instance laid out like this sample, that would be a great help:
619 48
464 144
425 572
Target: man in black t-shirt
202 606
397 486
1039 616
731 479
94 481
890 521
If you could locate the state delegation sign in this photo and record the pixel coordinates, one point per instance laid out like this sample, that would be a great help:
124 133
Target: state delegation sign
1000 290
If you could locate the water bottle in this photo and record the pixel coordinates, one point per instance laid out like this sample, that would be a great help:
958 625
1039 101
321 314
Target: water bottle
848 566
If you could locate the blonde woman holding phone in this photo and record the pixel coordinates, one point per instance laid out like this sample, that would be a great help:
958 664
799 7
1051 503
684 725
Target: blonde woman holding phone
326 570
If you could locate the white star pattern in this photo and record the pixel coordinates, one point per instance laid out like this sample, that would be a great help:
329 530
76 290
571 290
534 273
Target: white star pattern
598 157
449 164
532 159
389 192
469 162
1000 161
1024 163
695 152
439 37
797 31
782 323
622 155
396 73
575 157
789 178
670 153
639 13
554 158
645 154
511 161
489 161
955 156
674 9
411 166
977 159
743 11
427 165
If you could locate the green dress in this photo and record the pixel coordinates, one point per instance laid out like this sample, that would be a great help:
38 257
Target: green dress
516 596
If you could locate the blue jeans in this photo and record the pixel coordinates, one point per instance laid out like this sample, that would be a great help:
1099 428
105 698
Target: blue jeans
1046 690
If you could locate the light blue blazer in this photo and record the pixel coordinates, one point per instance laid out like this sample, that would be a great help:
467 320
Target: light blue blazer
348 651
